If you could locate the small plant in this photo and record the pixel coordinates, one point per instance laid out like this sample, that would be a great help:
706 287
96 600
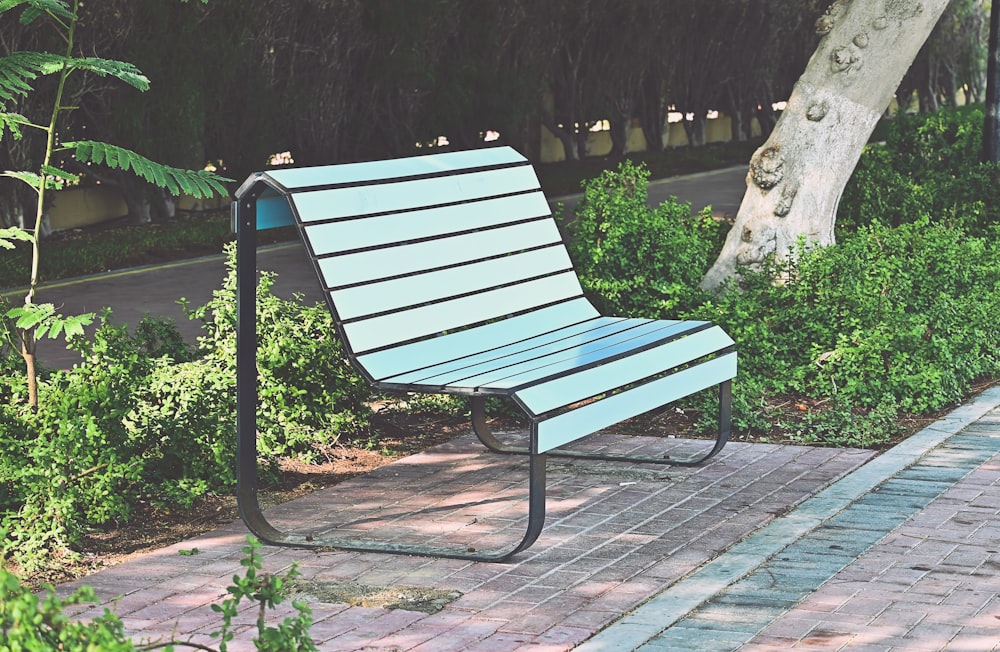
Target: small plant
267 591
309 395
29 623
18 72
32 624
144 416
888 321
929 168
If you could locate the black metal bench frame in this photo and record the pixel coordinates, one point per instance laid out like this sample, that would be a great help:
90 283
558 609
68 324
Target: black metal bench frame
266 200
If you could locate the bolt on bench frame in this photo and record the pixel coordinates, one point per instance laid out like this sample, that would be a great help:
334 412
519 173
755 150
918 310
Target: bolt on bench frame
447 274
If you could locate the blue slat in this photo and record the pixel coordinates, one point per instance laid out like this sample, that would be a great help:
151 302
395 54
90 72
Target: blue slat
424 321
560 392
584 420
399 293
569 336
345 235
366 266
589 348
293 178
387 364
406 195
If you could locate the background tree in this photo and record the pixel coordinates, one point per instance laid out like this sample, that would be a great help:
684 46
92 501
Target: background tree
168 121
951 61
491 77
797 176
991 129
573 25
700 53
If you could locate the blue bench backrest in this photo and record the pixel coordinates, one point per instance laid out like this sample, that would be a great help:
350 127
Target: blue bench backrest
413 247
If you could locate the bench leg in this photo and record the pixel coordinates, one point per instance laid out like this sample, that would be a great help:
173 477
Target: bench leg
253 517
488 439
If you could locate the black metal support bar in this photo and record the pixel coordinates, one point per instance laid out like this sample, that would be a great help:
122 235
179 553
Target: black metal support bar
245 222
488 439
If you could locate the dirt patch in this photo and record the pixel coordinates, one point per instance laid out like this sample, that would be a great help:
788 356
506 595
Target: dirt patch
410 598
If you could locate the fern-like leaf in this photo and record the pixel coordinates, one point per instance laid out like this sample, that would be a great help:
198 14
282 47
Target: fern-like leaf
19 69
58 8
30 178
121 70
60 176
12 122
197 183
14 233
43 320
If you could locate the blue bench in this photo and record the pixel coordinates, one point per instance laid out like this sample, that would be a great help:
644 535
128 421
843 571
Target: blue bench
447 274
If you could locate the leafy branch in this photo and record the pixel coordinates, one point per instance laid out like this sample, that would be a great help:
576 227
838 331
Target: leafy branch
8 236
44 321
197 183
17 73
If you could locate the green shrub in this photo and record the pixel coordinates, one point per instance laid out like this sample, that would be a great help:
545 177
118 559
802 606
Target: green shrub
635 260
142 416
928 169
308 393
888 320
97 250
32 624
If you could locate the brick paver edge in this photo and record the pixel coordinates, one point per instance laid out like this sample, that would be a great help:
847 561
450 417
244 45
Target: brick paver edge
669 606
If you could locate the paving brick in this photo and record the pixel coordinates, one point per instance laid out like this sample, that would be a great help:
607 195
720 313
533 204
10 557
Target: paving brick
608 549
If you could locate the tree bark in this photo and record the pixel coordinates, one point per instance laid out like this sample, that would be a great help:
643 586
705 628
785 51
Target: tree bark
695 129
991 129
796 177
567 139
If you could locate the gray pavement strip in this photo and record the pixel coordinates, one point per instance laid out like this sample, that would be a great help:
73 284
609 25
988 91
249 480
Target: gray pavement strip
641 628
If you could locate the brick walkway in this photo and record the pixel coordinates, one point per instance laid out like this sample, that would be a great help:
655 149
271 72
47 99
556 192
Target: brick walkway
900 555
615 536
769 547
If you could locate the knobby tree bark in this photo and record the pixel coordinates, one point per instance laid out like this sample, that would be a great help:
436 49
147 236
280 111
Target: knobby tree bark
797 176
991 130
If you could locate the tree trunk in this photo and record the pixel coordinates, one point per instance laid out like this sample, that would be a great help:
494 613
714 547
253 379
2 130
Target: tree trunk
739 124
695 129
30 365
651 115
796 178
991 129
619 137
567 139
765 118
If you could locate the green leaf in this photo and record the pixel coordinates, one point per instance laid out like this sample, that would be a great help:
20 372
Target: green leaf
19 69
13 122
31 317
111 159
197 183
121 70
30 178
35 8
46 322
9 235
74 324
63 175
